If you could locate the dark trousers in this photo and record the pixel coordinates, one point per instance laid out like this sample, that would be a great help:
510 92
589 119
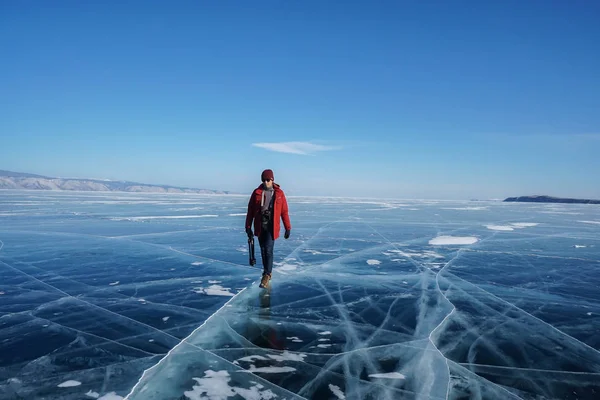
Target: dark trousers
266 250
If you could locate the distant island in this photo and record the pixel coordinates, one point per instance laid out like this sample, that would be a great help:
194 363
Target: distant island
550 199
22 181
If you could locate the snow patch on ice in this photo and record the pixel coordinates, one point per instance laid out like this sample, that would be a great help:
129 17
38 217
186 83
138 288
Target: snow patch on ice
466 208
324 346
113 283
287 356
93 395
313 252
337 391
325 333
111 396
237 215
373 262
590 222
270 370
389 375
448 240
579 246
214 281
66 384
214 290
197 263
252 358
500 227
151 217
215 386
287 267
524 224
165 319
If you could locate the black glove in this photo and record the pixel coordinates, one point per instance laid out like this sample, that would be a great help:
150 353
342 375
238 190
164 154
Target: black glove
249 233
286 235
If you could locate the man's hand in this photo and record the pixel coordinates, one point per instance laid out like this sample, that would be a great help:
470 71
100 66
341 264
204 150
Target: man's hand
249 233
286 235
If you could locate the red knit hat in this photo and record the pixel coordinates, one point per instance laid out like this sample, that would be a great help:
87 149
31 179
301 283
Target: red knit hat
267 174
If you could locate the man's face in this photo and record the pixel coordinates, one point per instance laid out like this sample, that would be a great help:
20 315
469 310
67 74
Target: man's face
268 183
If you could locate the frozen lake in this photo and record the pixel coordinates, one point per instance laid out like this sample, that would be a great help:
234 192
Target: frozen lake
142 296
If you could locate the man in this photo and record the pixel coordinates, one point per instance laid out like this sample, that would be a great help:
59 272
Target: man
266 206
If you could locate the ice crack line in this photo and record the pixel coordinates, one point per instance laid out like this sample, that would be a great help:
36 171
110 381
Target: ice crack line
131 319
529 314
185 341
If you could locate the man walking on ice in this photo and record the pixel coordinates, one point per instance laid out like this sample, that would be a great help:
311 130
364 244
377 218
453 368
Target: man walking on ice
266 206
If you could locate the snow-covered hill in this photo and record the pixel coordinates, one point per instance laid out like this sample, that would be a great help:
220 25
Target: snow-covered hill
21 181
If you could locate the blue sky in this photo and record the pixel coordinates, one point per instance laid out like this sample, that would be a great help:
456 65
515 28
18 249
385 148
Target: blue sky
456 100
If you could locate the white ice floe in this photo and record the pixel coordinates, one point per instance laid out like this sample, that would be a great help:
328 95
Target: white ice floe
325 333
197 263
67 384
450 240
165 319
113 283
389 375
373 262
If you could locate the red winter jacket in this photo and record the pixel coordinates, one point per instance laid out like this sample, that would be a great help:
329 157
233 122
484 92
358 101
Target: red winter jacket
280 210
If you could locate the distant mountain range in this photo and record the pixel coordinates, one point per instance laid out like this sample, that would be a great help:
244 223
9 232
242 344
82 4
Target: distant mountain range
22 181
550 199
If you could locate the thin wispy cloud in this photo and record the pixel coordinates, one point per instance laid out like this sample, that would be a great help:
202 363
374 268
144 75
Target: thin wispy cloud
302 148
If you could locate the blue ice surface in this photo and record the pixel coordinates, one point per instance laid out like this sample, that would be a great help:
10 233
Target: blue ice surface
149 296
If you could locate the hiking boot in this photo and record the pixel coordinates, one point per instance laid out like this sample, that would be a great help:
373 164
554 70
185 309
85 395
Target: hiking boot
264 282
